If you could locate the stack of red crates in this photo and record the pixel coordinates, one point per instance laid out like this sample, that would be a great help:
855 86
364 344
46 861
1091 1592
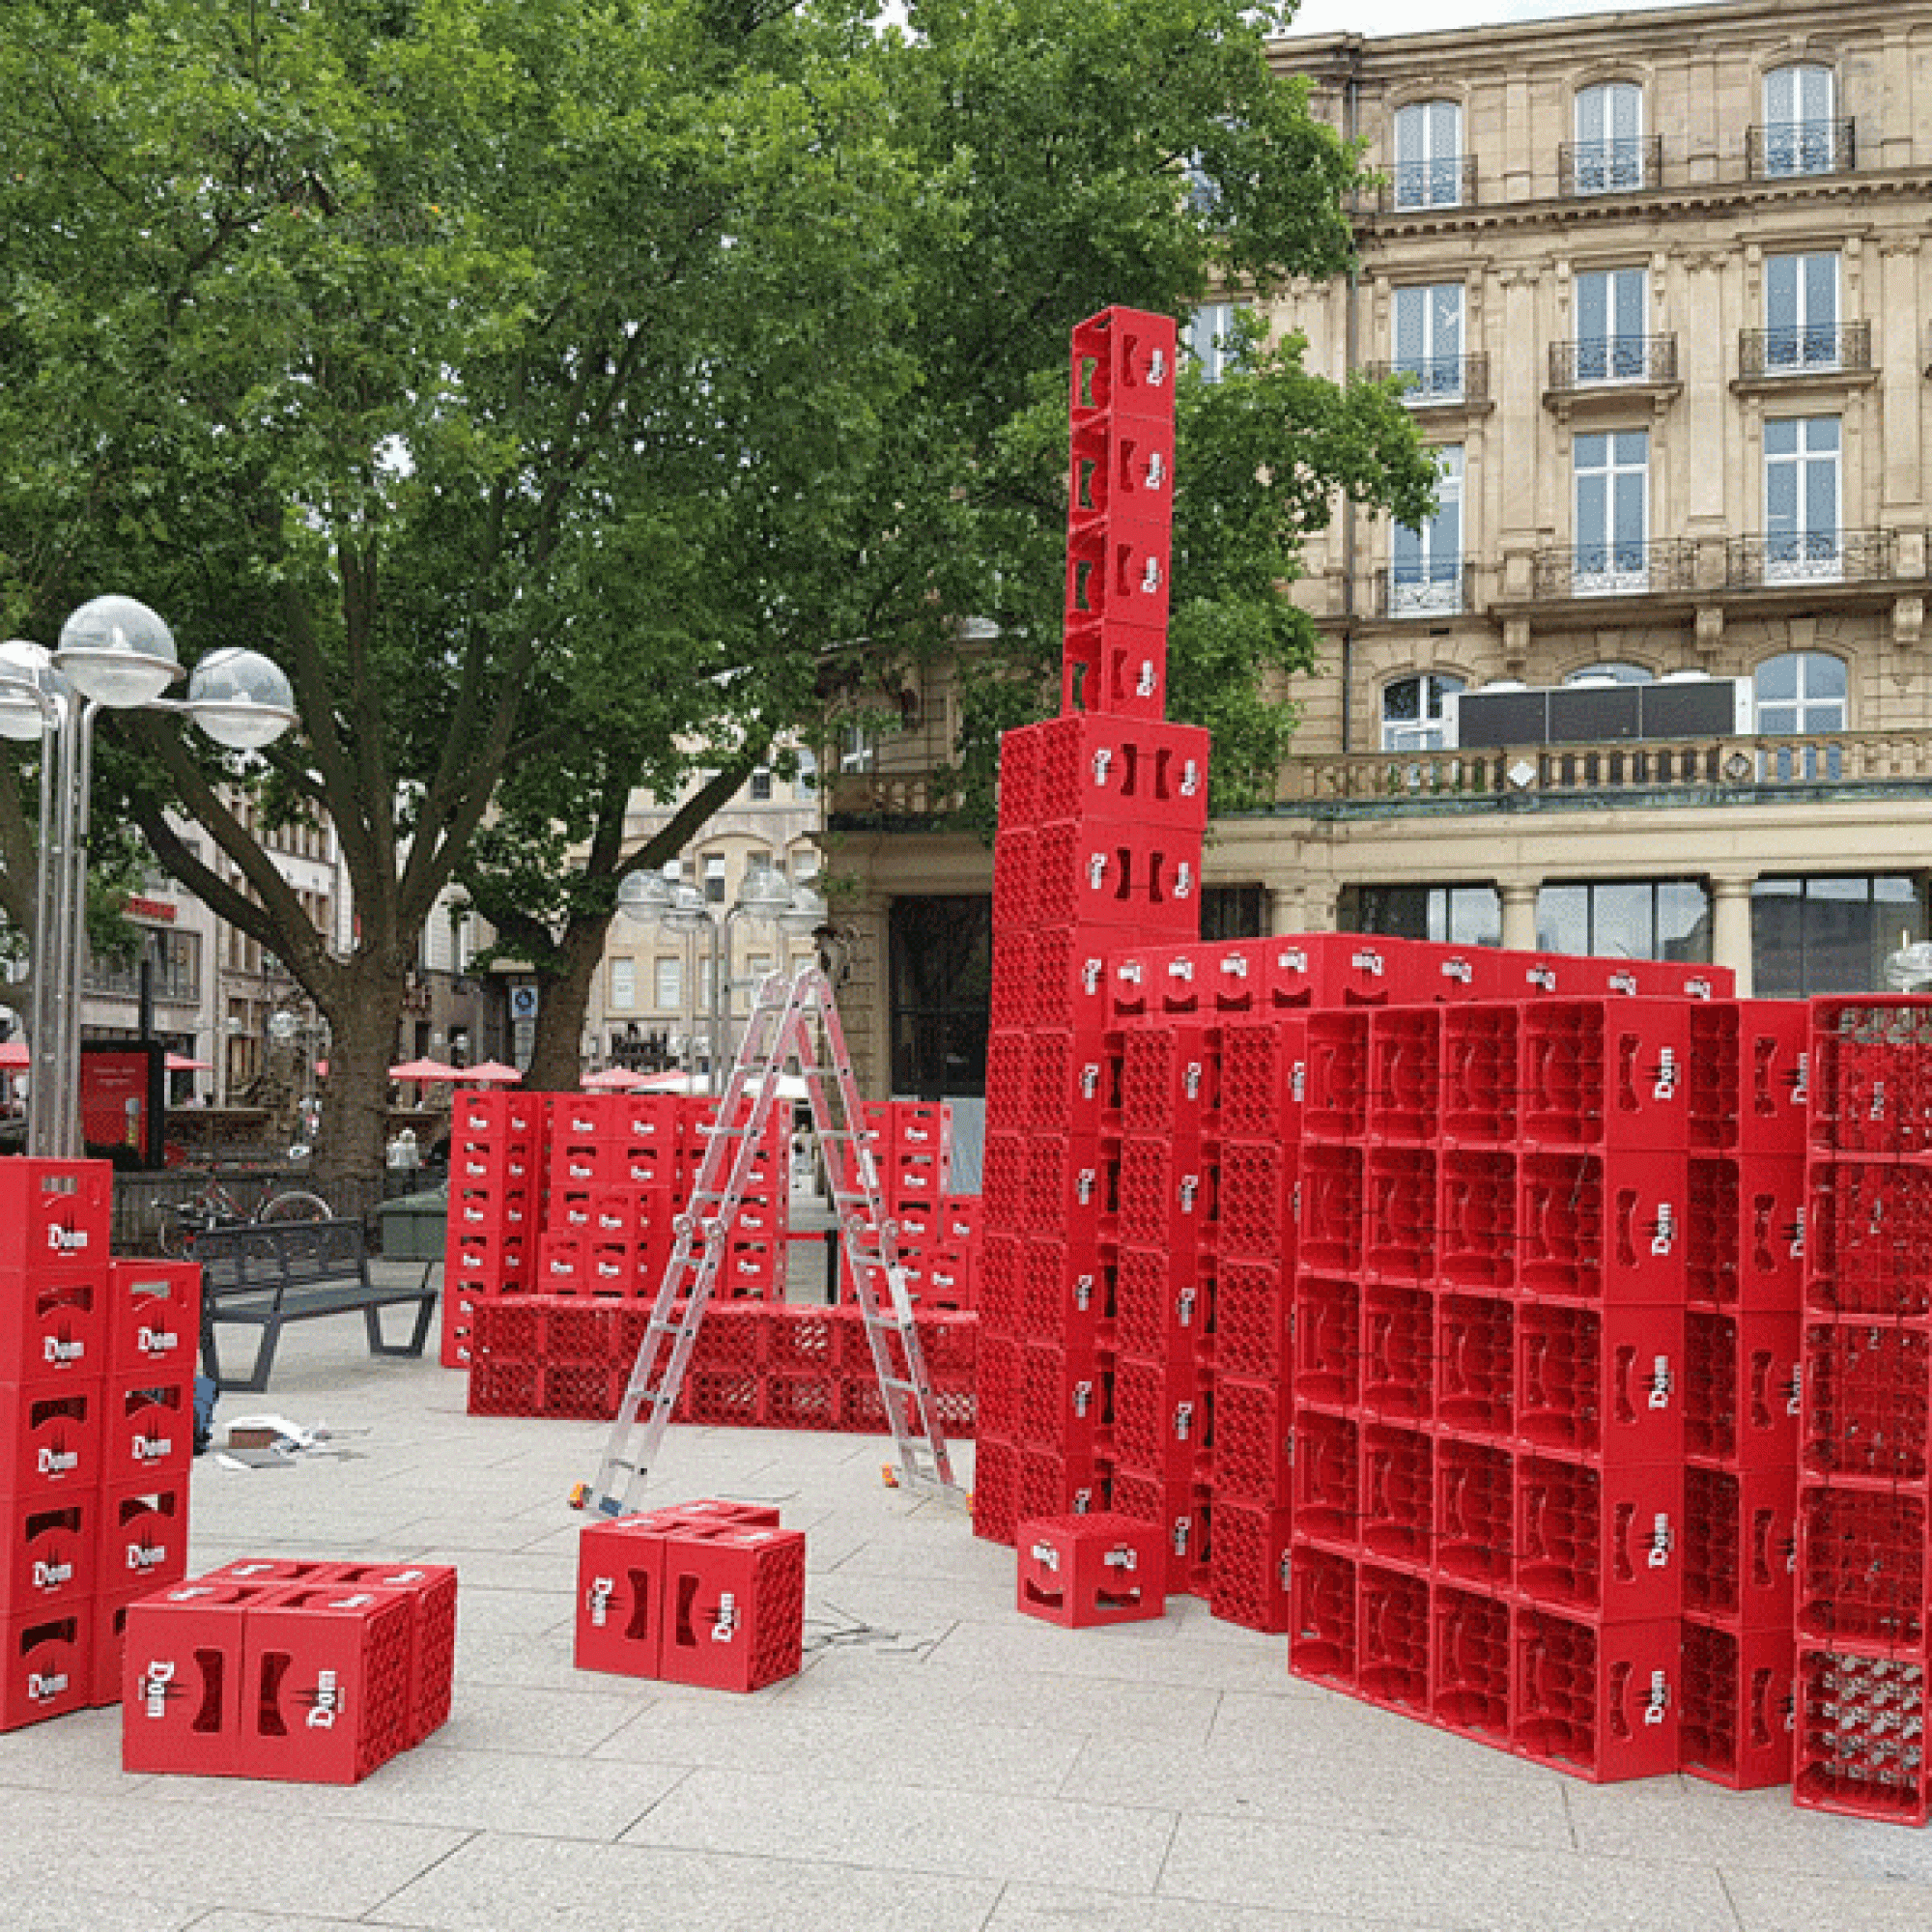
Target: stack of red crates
1102 811
1742 1378
1865 1470
97 1434
496 1204
911 1144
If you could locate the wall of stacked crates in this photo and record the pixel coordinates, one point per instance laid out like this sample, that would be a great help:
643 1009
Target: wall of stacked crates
562 1215
97 1434
1533 1340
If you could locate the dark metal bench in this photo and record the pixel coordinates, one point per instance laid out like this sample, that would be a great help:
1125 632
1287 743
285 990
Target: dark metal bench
261 1277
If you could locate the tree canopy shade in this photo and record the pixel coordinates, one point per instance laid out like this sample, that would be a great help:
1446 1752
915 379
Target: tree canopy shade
576 394
429 344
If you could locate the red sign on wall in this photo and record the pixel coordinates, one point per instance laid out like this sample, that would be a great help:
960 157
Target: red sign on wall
161 909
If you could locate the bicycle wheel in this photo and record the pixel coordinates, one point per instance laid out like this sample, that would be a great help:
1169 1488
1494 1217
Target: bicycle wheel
174 1237
296 1206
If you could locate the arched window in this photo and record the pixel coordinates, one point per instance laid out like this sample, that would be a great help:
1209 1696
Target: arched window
1428 155
1799 131
1413 713
1800 692
1609 158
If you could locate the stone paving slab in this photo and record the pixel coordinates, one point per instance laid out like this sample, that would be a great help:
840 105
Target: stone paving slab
940 1765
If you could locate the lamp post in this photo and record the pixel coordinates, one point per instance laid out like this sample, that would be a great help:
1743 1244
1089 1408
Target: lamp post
765 893
118 655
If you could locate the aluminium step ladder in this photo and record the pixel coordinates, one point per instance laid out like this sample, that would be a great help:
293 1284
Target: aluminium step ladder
783 1027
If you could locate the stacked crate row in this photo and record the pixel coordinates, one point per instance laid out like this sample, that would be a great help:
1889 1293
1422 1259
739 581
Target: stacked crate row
97 1434
1865 1471
754 1365
938 1232
497 1143
1103 813
301 1671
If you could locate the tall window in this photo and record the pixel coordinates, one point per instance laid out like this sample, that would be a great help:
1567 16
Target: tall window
1429 341
1426 562
1801 499
1610 138
1448 915
1830 935
761 785
1799 694
1611 325
1801 311
714 879
1612 474
1626 919
1798 121
1205 338
623 985
1429 155
669 986
1414 717
941 952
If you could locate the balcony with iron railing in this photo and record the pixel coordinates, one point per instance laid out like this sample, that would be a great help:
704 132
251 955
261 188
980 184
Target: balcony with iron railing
1625 360
1766 559
1838 348
1413 188
1430 588
1440 381
1664 565
1782 150
1609 167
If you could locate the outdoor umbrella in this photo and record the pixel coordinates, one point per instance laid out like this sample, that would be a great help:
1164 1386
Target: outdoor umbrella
176 1063
612 1080
489 1073
13 1053
423 1070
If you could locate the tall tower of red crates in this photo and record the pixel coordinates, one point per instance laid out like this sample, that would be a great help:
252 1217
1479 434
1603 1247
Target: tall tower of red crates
1102 811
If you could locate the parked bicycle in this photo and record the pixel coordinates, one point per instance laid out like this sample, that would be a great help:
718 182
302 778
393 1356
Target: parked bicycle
183 1222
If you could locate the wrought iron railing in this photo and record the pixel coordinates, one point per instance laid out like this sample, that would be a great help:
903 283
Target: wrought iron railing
1438 380
1782 149
1753 770
1617 569
1793 351
1447 182
1609 167
1613 358
1429 589
1812 556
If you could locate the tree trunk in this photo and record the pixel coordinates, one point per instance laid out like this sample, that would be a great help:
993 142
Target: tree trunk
557 1062
356 1098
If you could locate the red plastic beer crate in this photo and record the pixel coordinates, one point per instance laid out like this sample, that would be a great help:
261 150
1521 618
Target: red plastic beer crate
1322 1621
495 1164
1399 1196
1066 1292
50 1437
1248 1569
1328 1480
1084 1572
143 1534
1251 1316
620 1586
1471 1655
1474 1523
733 1606
1740 1545
54 1215
996 1475
1745 1238
1141 879
1262 1075
153 1317
1405 1073
496 1115
1159 1305
1392 1627
326 1696
1861 1567
1742 1378
1606 1542
45 1665
148 1430
1605 1382
1169 1078
1252 1421
1597 1699
53 1326
1398 1352
50 1552
1867 1385
1069 978
1047 1484
431 1588
1110 664
1329 1226
1183 1512
1737 1721
1480 1087
1255 1201
1070 1080
1862 1722
1605 1072
1476 1214
1602 1227
1166 1192
1335 1091
1327 1339
1123 362
1122 473
1475 1364
181 1688
1868 1239
1397 1492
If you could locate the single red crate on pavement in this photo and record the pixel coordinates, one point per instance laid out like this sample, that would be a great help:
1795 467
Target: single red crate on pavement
734 1606
181 1682
1084 1571
431 1588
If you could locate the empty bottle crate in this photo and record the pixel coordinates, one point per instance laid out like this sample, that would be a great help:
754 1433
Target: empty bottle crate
1398 1352
1860 1735
1740 1545
1336 1087
1474 1525
1405 1073
1399 1198
1470 1660
1327 1337
1392 1639
1598 1699
1480 1085
1248 1572
1322 1618
1861 1567
1736 1724
1867 1388
1742 1381
1607 1543
1083 1572
1262 1075
1327 1469
1604 1073
1606 1383
1398 1494
1475 1364
1169 1079
1476 1218
1868 1239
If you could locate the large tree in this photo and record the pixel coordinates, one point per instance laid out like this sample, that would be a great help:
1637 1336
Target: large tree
1071 155
414 341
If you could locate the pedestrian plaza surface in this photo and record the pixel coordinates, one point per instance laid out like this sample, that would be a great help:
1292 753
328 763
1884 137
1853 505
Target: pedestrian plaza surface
942 1763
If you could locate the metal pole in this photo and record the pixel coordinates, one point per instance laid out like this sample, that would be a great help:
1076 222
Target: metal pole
54 1096
41 1063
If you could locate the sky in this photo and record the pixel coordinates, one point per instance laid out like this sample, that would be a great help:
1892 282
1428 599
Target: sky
1376 17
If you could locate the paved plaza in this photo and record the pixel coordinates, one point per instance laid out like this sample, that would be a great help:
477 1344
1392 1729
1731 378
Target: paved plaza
942 1763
